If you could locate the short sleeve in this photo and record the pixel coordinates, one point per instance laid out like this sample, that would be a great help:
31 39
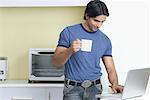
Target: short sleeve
108 51
64 39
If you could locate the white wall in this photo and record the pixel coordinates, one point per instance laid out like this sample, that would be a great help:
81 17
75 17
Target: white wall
128 28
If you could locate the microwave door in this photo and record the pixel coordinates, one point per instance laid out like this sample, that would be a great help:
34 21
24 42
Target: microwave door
42 66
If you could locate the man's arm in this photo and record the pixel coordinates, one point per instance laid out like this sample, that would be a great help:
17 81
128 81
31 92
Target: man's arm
112 74
62 54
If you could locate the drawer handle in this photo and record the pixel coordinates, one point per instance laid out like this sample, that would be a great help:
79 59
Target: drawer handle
22 98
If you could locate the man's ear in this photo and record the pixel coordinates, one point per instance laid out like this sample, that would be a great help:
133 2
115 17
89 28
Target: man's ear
86 17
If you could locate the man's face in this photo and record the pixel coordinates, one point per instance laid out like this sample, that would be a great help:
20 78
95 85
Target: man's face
95 22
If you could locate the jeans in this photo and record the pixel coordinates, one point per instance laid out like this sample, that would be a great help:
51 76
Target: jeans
79 93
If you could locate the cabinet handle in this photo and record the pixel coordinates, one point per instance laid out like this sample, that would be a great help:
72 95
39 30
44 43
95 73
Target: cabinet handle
22 98
49 97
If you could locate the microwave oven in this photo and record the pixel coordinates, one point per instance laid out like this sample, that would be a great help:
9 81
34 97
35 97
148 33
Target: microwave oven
41 68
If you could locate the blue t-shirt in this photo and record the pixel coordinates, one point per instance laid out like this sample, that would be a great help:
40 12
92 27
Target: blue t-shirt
84 65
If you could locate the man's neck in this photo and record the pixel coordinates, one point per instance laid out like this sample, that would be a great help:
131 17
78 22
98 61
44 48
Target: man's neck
86 27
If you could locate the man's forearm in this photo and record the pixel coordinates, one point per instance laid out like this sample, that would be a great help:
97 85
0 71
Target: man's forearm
60 58
113 79
62 54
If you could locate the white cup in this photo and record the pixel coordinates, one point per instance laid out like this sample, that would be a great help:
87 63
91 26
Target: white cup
86 45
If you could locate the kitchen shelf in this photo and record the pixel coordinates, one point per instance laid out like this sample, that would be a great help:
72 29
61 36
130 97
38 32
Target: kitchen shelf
42 3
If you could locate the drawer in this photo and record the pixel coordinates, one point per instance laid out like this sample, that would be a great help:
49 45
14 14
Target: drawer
26 93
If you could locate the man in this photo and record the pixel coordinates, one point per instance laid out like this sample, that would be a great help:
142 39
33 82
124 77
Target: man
82 68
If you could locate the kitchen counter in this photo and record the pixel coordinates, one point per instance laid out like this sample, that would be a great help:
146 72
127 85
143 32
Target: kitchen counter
22 90
24 83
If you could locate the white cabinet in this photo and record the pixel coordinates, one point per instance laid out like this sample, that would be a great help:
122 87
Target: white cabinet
24 91
42 3
56 93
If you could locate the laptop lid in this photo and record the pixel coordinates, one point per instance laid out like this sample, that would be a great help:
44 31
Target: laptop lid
136 83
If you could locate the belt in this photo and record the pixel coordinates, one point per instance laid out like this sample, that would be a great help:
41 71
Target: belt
85 84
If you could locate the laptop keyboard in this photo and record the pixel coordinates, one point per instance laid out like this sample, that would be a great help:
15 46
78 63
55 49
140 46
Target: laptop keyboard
110 96
113 95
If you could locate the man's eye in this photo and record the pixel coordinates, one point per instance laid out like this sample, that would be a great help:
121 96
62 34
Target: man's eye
99 21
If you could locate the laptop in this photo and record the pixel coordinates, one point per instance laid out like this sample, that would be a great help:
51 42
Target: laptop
135 85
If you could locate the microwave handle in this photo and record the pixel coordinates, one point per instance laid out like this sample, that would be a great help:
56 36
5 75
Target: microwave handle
45 53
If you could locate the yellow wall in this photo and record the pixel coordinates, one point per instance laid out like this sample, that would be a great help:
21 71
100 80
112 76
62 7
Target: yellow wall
24 28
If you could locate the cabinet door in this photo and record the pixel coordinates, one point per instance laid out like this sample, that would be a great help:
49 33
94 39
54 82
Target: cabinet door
27 93
56 93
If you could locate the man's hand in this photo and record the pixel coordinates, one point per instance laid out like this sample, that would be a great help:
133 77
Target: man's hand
76 45
116 88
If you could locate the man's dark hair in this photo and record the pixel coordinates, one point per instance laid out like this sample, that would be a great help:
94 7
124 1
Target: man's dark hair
95 8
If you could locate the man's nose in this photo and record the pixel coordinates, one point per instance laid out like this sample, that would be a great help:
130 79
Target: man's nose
99 25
